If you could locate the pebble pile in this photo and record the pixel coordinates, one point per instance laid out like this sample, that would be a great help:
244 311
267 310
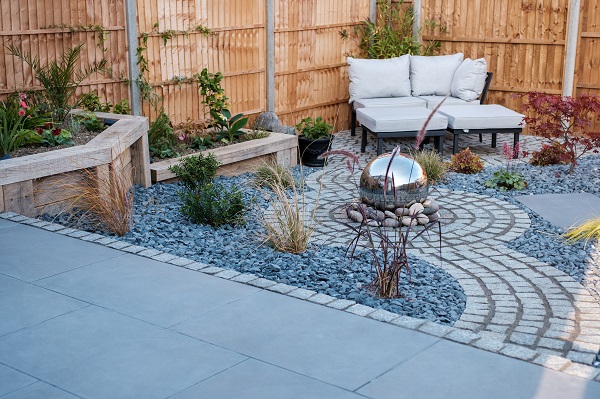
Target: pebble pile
413 214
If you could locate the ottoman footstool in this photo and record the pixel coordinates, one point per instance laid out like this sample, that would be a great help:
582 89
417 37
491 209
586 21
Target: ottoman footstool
400 122
482 119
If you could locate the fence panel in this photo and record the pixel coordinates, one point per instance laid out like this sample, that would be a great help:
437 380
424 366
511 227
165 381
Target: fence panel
177 49
522 41
311 74
45 28
588 54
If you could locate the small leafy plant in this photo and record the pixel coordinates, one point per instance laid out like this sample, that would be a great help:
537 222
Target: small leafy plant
466 162
122 107
161 137
90 121
16 128
229 128
91 102
202 143
55 136
564 121
205 201
507 179
553 154
314 129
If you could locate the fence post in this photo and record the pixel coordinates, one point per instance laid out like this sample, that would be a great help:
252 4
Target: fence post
418 10
571 48
132 44
372 10
270 44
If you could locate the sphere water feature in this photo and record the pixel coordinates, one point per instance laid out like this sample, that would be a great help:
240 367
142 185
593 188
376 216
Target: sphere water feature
406 182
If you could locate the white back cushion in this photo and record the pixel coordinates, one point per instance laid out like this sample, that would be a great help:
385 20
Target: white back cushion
379 78
432 75
469 79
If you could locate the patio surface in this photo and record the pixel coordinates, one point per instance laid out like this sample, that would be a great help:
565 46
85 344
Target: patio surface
87 316
81 320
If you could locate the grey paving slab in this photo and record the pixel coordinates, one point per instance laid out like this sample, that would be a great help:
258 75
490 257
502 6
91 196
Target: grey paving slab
564 210
261 380
30 254
12 380
146 289
449 370
97 353
332 346
39 390
24 305
7 223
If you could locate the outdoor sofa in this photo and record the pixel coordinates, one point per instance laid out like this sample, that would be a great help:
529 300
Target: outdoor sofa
393 98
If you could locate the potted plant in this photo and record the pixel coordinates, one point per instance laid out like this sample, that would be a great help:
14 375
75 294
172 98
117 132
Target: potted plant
315 138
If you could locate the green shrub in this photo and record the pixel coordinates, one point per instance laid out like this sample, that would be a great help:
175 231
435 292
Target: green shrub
91 102
16 129
466 162
554 154
196 171
122 107
214 205
161 137
431 161
204 201
391 34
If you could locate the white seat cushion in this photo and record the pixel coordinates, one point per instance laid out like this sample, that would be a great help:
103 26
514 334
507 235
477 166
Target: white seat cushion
403 119
433 101
469 79
389 102
491 116
379 78
432 75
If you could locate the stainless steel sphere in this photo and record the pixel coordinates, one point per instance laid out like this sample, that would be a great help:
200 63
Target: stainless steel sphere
406 178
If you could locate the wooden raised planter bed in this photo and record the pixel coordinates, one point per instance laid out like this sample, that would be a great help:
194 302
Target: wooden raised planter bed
26 183
238 158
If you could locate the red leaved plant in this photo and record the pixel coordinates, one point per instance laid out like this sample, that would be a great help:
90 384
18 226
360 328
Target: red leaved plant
564 121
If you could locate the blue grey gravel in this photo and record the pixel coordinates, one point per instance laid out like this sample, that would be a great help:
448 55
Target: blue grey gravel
428 292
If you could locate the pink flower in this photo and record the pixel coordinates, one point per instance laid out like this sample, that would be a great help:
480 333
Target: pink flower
23 104
181 136
23 96
21 112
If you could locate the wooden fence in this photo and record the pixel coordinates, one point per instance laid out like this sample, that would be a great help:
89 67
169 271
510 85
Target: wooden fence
524 42
46 27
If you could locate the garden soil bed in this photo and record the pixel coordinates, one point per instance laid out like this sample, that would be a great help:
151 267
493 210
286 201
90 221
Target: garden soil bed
29 183
239 158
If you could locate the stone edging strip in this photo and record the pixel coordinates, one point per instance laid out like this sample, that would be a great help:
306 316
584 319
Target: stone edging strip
441 331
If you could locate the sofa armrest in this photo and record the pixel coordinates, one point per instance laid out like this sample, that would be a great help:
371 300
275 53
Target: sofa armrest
488 81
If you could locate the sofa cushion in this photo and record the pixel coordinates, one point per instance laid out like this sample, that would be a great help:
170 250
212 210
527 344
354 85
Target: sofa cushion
432 75
404 119
389 102
491 116
379 78
469 79
433 101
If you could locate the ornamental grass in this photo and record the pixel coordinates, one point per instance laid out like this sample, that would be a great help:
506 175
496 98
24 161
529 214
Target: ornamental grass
290 224
101 197
590 230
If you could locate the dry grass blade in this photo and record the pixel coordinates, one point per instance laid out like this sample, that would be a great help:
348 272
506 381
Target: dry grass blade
423 131
101 196
290 224
586 231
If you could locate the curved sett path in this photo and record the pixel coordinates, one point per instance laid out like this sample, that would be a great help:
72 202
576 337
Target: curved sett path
511 297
